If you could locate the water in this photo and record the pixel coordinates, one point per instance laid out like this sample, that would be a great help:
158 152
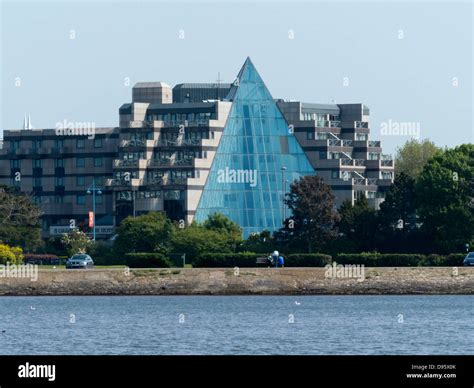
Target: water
237 325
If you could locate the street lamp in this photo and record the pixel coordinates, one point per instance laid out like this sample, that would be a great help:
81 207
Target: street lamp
93 190
283 170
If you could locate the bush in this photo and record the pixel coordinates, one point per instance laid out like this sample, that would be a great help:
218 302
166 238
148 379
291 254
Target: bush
12 255
400 259
307 260
146 260
31 258
222 260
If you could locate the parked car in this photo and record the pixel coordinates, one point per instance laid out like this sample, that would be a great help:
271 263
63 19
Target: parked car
469 260
79 260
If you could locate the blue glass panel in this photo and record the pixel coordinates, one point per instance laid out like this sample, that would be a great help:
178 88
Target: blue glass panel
246 177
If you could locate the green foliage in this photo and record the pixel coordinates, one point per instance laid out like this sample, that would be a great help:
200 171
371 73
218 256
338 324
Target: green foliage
413 156
196 240
224 260
147 260
19 219
222 224
258 242
313 220
399 259
151 232
444 193
76 242
12 255
307 260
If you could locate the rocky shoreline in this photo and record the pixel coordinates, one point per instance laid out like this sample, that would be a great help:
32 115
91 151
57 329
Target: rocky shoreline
244 281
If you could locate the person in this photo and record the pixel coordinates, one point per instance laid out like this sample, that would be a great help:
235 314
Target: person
281 262
275 256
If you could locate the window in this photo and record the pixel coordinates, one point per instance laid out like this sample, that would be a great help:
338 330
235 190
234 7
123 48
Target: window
59 143
15 144
58 162
80 162
98 161
97 143
309 135
59 199
80 143
99 199
37 163
36 199
37 182
15 163
371 194
37 144
14 181
59 181
334 174
80 180
323 155
80 199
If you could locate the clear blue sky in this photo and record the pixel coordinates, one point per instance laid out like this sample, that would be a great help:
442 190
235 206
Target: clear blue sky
82 79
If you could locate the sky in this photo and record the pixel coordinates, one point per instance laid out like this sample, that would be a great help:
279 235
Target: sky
411 63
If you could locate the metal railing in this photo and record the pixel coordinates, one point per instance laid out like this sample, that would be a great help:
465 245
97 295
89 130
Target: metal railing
361 124
374 143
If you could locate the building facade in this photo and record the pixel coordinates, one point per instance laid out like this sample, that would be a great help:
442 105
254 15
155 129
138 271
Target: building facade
193 150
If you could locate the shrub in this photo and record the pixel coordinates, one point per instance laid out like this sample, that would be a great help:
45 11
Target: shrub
146 260
12 255
45 258
307 260
219 260
400 259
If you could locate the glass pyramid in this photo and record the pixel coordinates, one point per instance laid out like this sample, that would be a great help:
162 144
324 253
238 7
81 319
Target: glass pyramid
256 159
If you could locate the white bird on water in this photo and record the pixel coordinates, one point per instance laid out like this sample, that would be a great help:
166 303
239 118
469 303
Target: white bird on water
32 308
297 303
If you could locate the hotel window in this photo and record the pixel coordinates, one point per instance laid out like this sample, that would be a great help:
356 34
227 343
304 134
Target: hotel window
374 156
97 143
80 162
98 162
334 174
309 135
14 181
37 144
59 199
59 143
323 155
59 181
15 144
37 182
80 180
99 180
37 163
371 194
15 163
58 162
80 143
36 199
99 199
80 199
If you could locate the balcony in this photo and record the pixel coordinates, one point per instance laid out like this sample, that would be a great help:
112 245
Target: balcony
361 124
352 162
327 124
133 163
165 162
178 142
374 143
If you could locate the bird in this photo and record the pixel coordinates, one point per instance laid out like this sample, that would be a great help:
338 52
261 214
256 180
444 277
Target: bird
3 331
32 308
297 303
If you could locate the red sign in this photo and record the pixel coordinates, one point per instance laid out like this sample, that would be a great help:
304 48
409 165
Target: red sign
91 219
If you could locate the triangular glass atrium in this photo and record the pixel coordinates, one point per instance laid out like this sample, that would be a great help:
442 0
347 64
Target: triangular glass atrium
256 158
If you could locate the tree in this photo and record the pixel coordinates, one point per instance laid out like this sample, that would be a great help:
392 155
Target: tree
194 240
412 157
358 224
19 219
76 242
259 242
222 224
151 232
443 195
313 220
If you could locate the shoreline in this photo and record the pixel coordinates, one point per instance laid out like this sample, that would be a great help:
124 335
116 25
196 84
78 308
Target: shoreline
248 281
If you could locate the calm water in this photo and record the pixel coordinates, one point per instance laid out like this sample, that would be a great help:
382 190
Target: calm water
237 325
